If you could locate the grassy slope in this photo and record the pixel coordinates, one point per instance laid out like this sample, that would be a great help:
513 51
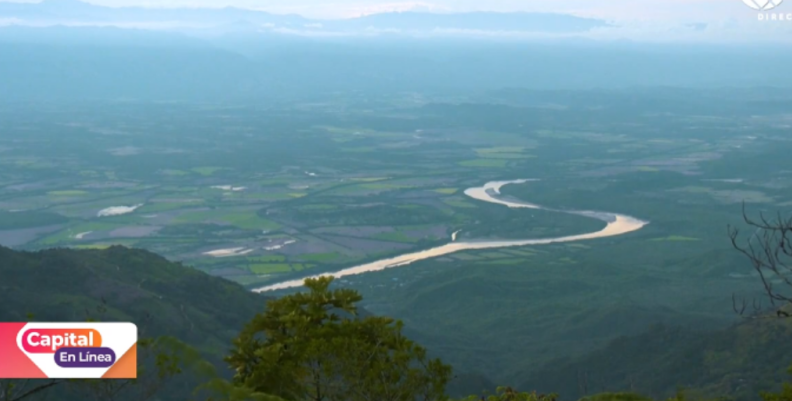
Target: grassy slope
162 297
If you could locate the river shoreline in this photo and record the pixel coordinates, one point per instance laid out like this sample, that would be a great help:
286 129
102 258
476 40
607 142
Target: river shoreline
617 224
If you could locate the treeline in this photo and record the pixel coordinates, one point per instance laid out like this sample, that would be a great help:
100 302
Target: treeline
314 345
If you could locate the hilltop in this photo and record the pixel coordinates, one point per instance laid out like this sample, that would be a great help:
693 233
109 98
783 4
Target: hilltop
161 297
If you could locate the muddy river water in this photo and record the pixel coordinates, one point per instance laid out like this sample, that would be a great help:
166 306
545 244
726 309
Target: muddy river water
617 224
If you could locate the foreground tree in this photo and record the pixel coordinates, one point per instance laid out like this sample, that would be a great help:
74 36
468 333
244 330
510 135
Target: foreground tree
219 389
769 249
784 395
510 394
314 346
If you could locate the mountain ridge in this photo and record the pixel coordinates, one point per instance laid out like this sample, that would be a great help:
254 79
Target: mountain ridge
50 12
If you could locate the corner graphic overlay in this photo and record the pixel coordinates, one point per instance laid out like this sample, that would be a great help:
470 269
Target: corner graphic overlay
68 350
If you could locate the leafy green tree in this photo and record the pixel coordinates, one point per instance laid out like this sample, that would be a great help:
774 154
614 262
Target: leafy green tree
223 390
314 346
510 394
784 395
616 397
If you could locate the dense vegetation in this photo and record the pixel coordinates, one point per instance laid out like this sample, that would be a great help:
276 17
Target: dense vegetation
317 344
120 284
259 195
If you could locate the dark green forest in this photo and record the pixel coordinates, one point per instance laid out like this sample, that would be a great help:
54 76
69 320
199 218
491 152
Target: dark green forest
207 338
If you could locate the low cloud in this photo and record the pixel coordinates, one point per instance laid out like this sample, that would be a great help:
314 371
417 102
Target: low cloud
362 11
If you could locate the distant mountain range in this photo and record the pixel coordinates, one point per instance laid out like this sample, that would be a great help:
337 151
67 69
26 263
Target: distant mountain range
230 19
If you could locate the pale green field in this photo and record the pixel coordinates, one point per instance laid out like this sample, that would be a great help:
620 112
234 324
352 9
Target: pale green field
320 257
207 171
395 236
675 238
68 193
460 203
245 220
489 163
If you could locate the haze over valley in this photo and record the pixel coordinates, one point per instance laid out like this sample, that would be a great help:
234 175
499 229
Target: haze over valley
539 195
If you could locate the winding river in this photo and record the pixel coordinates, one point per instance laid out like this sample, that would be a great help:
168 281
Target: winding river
617 224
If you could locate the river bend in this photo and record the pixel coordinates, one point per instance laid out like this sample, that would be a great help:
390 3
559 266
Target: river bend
617 224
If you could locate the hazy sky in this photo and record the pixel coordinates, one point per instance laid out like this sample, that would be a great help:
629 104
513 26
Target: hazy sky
723 21
668 10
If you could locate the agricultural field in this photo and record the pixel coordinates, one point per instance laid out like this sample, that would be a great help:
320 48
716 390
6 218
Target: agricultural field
260 196
258 199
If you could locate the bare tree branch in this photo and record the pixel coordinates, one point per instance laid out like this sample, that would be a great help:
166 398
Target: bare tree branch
16 392
769 251
734 305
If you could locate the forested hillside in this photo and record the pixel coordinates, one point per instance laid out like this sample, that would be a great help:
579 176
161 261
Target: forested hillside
207 313
737 362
